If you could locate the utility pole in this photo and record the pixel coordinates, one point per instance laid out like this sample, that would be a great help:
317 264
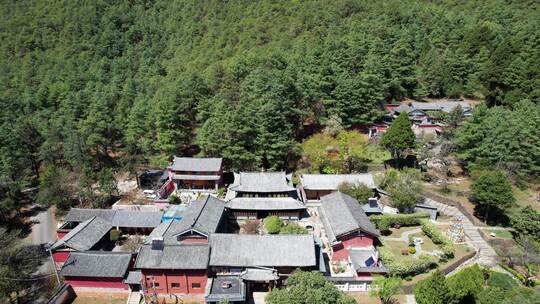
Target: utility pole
48 247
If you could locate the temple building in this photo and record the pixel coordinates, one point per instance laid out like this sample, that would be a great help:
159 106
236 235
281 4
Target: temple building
97 269
350 235
263 261
256 195
196 174
88 229
201 218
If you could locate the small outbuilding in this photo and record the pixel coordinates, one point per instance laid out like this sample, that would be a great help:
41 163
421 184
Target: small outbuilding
315 186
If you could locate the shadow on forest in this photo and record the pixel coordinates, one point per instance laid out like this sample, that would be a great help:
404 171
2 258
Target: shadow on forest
494 217
399 163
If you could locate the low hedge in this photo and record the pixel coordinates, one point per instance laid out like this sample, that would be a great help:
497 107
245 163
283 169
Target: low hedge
438 238
385 221
408 267
518 275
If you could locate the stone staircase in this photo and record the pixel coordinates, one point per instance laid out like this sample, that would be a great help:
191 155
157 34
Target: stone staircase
486 255
134 297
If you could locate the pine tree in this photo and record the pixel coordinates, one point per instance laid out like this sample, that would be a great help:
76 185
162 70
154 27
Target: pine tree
432 290
399 137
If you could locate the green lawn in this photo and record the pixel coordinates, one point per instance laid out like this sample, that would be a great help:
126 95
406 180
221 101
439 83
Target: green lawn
459 252
396 247
503 234
377 154
396 233
428 243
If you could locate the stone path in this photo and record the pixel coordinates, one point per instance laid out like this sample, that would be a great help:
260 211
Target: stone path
485 254
404 235
410 299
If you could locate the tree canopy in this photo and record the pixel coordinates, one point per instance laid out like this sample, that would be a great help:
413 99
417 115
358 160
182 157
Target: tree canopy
308 287
84 82
503 138
492 191
399 138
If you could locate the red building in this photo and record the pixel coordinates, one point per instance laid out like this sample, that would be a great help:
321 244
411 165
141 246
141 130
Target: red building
88 235
350 235
88 229
173 269
97 269
175 262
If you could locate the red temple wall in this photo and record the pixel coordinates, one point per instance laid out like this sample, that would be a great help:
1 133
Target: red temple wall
166 278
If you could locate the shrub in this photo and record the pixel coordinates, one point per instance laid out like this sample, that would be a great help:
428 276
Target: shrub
407 267
114 235
174 200
432 290
385 221
445 244
359 191
465 284
273 224
517 274
293 228
411 240
501 281
251 227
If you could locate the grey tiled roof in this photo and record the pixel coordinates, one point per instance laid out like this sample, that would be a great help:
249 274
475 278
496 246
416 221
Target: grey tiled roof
254 274
196 177
342 214
137 219
202 215
261 182
133 277
371 209
117 218
445 106
235 292
160 230
265 203
81 215
242 250
192 256
85 235
194 164
332 181
103 264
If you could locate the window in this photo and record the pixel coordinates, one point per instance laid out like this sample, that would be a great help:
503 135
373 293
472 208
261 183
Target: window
156 284
195 285
175 285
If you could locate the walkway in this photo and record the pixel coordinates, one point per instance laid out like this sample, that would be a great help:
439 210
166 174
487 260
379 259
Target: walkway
134 297
410 299
43 231
404 236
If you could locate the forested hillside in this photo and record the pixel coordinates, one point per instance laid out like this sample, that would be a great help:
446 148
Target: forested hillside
83 82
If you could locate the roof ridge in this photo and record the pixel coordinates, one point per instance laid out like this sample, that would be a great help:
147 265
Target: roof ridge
101 252
200 213
83 225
